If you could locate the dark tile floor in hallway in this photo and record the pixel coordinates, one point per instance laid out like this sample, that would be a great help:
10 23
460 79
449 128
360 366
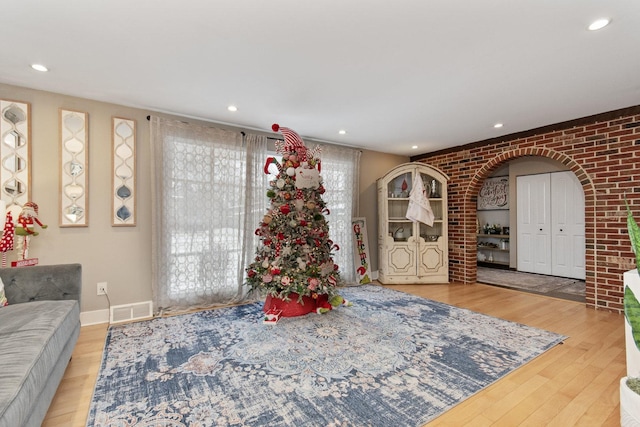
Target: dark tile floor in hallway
558 287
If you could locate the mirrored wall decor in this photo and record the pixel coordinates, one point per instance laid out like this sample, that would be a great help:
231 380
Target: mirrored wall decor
15 152
123 194
74 165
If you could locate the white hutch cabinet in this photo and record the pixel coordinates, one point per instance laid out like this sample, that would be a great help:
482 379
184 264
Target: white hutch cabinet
412 252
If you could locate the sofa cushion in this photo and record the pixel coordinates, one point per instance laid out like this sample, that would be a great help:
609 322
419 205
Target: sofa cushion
32 336
42 283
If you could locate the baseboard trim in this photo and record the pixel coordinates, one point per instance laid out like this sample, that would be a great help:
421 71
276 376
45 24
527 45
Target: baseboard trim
95 317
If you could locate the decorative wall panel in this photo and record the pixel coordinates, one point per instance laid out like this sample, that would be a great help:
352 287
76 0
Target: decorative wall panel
123 193
74 168
15 152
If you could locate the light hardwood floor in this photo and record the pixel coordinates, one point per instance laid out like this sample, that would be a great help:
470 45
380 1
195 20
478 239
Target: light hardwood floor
573 384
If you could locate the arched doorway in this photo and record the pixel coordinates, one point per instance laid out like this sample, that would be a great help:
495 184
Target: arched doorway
470 213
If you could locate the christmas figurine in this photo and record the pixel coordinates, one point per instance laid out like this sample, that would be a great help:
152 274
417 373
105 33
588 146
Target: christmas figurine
25 228
28 216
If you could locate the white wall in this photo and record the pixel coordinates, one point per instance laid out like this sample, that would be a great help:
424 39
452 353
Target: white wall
119 256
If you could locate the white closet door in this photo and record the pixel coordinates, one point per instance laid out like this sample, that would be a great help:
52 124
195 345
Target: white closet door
567 218
534 224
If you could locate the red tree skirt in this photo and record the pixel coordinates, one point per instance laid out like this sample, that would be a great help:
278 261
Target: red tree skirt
293 308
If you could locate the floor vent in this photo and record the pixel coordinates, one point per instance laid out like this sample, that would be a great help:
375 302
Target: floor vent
128 312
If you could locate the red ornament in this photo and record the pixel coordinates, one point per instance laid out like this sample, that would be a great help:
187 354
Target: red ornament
280 236
285 209
251 273
303 223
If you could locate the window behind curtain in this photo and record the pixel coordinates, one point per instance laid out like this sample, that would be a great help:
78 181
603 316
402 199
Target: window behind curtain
205 213
209 196
340 173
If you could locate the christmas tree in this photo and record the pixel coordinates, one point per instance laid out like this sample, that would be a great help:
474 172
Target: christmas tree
294 258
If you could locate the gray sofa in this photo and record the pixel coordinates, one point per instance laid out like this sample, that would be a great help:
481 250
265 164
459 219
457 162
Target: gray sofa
38 331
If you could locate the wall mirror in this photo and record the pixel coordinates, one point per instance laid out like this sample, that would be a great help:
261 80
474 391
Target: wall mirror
123 189
15 152
74 165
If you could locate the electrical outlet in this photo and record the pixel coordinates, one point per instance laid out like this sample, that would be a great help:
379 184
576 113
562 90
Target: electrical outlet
102 288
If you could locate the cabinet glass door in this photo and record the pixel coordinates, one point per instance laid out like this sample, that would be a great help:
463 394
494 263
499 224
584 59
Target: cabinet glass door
433 191
398 226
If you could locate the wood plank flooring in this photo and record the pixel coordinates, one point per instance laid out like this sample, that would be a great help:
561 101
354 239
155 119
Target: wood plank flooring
574 384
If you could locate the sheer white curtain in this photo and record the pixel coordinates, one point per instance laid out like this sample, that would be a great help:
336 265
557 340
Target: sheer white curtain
208 192
341 173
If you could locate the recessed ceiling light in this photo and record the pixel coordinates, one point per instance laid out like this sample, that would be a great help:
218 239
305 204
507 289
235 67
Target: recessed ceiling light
599 23
232 108
414 147
39 67
498 125
342 132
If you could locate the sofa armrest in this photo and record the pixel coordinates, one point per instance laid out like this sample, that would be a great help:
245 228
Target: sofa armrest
42 282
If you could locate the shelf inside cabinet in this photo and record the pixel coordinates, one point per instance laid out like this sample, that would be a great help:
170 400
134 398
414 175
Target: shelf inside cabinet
495 236
489 248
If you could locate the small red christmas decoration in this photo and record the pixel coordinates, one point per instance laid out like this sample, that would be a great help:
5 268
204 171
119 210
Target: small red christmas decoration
6 244
272 316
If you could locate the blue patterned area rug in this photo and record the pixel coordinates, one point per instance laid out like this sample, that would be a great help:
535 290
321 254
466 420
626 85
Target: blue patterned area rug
392 359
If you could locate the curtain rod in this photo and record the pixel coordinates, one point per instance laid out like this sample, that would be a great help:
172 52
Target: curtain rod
273 138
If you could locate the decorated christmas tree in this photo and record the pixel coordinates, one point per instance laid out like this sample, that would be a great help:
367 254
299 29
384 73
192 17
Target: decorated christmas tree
294 258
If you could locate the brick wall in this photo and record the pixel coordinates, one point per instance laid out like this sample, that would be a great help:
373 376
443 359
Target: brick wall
604 153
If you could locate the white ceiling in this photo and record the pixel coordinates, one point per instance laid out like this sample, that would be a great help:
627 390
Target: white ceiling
431 73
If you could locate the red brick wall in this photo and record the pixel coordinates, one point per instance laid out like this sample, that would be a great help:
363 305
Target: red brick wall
604 153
